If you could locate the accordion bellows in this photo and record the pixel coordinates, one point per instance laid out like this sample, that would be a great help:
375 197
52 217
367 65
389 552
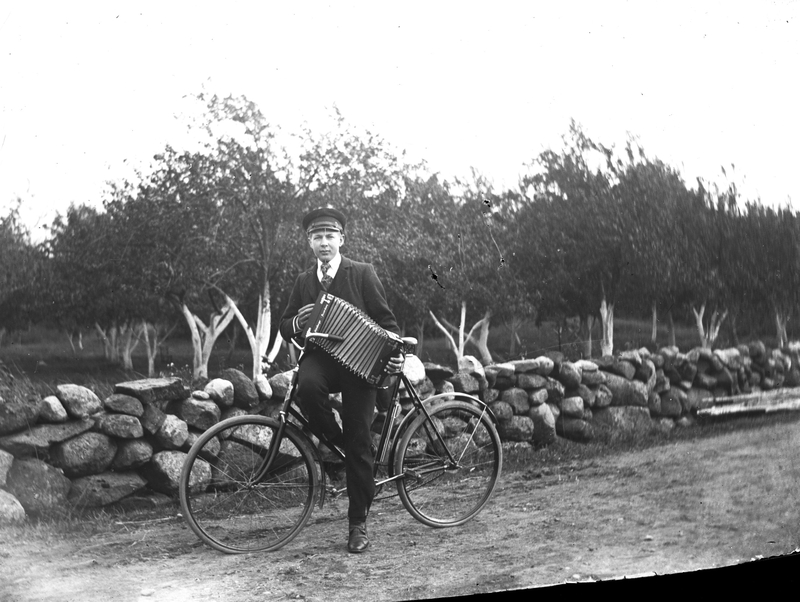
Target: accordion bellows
353 338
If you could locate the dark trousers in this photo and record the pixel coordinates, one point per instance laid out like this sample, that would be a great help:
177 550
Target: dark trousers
318 376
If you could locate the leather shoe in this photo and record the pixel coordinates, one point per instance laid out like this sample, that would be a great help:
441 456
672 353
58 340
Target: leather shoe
358 542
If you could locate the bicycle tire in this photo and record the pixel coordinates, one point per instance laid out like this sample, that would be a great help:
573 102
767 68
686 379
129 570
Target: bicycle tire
221 500
442 496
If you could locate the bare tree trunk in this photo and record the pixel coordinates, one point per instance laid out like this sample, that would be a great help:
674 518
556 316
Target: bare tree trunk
420 337
780 323
463 338
587 326
607 316
483 339
204 337
2 334
708 338
654 331
259 340
131 335
671 329
233 342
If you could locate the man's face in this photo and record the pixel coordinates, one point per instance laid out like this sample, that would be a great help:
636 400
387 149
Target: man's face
326 243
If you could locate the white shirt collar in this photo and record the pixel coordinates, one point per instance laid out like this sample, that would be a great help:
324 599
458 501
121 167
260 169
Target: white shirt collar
334 263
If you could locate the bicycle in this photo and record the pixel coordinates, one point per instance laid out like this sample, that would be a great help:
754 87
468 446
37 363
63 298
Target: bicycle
266 475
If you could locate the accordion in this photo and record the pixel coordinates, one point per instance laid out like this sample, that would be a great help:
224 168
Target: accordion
351 337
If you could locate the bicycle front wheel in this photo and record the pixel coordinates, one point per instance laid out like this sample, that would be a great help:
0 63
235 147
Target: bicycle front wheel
450 464
233 501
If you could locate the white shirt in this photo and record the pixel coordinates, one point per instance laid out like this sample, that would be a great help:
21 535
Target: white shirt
334 263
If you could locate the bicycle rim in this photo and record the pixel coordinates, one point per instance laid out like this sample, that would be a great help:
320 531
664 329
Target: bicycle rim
433 490
231 503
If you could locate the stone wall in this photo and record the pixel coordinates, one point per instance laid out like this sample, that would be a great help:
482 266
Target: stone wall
74 450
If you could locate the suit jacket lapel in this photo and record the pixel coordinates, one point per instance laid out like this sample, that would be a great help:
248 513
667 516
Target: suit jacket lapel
340 277
312 285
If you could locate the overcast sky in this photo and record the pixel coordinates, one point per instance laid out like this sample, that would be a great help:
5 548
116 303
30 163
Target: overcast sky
88 89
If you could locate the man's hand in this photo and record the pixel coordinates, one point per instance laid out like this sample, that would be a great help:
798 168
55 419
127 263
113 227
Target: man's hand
302 316
395 364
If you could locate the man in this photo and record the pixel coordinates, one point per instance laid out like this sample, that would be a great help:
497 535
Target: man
320 374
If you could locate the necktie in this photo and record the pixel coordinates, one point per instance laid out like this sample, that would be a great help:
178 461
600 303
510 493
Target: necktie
326 278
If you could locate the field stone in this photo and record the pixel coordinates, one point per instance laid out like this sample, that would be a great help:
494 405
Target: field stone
173 432
626 392
200 414
575 429
654 403
569 375
593 378
414 370
544 424
671 406
16 414
464 383
201 396
263 388
502 410
88 453
519 428
210 449
40 488
153 390
491 395
78 400
437 372
163 473
152 418
537 397
501 369
530 380
555 391
220 391
572 407
698 398
471 365
245 395
586 394
6 460
102 489
38 440
624 419
120 425
52 410
11 511
602 397
517 399
132 453
124 404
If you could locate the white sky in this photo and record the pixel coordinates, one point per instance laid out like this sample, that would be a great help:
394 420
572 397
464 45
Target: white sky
88 89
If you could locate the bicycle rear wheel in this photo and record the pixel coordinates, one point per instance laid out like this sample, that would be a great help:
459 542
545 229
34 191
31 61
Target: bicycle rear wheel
232 501
436 490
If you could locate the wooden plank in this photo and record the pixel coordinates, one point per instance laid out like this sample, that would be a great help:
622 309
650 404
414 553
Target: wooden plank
773 395
741 408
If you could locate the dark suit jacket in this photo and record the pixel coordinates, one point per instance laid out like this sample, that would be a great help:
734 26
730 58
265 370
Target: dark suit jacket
355 282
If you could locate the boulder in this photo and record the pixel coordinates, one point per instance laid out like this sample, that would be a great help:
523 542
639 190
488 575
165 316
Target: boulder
471 365
123 404
221 391
464 383
502 410
537 397
664 425
491 395
201 396
662 382
646 373
263 388
671 406
78 401
623 419
163 473
132 453
519 428
575 429
593 378
445 387
173 432
123 426
571 407
437 372
505 382
584 393
698 399
569 375
37 440
705 381
531 380
11 511
152 419
654 403
52 410
210 449
621 368
586 366
555 390
88 453
414 370
517 399
505 369
731 358
40 488
102 489
6 460
154 390
541 365
544 424
245 395
554 410
16 414
200 414
632 356
626 392
602 397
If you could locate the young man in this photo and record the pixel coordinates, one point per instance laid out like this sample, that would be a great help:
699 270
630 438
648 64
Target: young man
320 374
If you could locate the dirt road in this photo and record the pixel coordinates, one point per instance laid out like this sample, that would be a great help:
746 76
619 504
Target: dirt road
695 504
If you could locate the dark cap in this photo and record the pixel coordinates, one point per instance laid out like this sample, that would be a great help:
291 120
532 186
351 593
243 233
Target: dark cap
324 218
